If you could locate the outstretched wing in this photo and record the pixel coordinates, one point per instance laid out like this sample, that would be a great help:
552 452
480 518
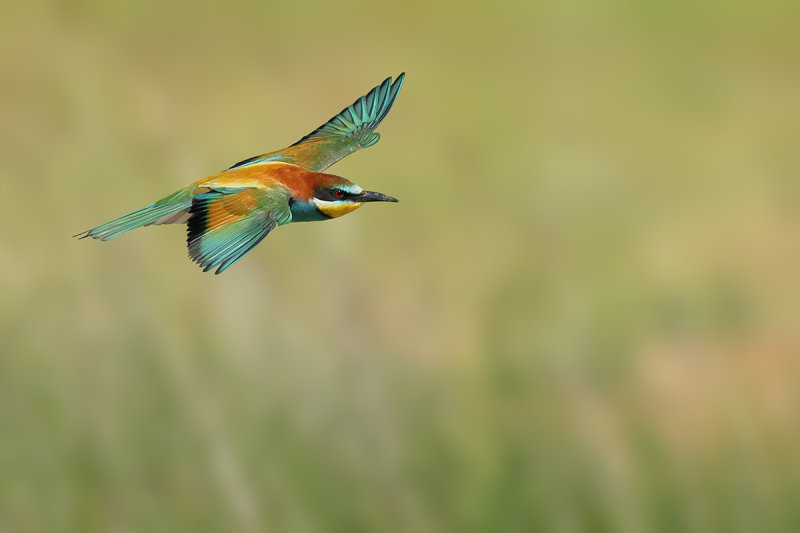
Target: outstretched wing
226 223
351 129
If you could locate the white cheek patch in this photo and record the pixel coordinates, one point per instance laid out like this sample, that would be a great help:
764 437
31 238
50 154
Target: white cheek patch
324 204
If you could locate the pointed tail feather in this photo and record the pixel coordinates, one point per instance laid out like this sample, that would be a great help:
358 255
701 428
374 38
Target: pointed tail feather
169 210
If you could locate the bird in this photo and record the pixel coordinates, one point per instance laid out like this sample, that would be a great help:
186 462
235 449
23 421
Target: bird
229 213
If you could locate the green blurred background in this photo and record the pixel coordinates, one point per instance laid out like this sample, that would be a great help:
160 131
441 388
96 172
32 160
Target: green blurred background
582 316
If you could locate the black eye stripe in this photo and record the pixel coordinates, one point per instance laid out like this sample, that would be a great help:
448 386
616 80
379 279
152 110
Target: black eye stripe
332 194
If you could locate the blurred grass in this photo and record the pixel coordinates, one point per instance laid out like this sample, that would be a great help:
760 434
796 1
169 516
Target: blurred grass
581 316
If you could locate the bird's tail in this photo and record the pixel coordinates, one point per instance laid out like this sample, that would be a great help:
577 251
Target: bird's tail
170 210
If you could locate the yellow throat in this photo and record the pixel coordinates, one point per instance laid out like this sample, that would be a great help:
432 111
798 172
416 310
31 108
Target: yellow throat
336 209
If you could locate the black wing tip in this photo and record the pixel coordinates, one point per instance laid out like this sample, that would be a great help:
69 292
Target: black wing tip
398 82
391 83
88 233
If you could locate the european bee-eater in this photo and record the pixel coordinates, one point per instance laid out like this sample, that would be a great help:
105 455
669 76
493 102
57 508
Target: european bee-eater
227 214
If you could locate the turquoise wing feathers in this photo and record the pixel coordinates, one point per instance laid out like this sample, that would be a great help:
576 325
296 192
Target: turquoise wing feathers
349 130
226 223
358 121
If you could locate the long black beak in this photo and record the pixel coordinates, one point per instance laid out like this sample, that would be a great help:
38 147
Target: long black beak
370 196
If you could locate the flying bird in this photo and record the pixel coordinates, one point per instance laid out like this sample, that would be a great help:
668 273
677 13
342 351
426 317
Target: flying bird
229 213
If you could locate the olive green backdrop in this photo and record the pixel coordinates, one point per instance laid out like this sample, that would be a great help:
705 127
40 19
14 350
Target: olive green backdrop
581 316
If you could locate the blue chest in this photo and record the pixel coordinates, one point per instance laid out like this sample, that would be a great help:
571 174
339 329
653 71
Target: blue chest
306 212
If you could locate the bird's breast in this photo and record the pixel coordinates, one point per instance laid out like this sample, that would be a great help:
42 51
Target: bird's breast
305 211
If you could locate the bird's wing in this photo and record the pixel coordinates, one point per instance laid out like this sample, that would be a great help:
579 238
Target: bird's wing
350 130
226 223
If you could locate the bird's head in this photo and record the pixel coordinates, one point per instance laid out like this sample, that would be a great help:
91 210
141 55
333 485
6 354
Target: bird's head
334 198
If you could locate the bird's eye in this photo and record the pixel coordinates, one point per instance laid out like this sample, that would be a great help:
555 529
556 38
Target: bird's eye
338 193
